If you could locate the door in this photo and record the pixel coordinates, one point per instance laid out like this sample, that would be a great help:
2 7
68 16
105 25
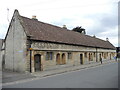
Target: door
58 59
63 59
110 56
37 62
100 57
89 57
81 58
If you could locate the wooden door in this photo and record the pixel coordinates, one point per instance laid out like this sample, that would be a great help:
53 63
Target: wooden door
37 62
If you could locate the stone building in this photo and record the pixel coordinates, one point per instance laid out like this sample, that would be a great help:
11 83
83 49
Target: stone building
1 54
32 45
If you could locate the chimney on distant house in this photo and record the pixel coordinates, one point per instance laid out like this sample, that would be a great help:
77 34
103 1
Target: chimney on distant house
34 17
64 26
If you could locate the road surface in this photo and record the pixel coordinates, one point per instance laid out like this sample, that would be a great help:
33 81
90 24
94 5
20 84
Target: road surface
103 76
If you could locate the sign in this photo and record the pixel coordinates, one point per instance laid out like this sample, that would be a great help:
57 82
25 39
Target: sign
30 48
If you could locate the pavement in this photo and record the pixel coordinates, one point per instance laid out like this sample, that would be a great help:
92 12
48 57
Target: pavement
8 76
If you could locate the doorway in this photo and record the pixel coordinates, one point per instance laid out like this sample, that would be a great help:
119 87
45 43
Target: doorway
37 62
100 57
63 59
81 58
110 56
58 59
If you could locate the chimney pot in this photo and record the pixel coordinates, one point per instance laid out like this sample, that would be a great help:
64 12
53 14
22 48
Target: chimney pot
34 17
107 39
64 26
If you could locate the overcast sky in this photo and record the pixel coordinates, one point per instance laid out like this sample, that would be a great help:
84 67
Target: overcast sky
98 17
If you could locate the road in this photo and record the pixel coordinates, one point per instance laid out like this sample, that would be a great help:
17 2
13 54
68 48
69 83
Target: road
103 76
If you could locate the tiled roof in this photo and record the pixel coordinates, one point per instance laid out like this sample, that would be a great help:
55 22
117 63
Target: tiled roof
47 32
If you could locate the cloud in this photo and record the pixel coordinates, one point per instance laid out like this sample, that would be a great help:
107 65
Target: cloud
109 21
105 25
3 30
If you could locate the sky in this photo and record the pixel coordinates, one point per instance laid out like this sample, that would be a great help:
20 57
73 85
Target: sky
97 17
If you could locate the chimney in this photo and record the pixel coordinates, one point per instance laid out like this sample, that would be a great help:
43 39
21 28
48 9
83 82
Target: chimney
34 17
64 26
107 39
94 36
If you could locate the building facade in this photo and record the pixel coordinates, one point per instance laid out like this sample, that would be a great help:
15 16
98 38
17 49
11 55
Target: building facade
31 45
2 54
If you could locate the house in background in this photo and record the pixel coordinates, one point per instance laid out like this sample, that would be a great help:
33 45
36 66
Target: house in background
32 45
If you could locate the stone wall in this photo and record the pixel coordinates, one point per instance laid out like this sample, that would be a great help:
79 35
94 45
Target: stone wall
42 47
15 46
2 57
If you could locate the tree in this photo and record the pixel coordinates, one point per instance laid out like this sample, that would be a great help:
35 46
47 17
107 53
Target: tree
79 29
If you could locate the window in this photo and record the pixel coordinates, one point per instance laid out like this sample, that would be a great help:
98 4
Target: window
86 54
49 55
69 55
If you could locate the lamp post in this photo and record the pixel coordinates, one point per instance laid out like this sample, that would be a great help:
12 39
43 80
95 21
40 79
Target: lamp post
96 55
30 57
30 49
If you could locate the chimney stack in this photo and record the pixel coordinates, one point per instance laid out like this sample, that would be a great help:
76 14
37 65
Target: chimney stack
107 39
64 26
34 17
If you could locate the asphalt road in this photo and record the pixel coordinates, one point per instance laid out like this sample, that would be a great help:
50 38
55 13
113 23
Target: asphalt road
103 76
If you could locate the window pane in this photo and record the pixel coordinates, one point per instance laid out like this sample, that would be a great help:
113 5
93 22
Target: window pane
47 56
85 54
51 54
69 55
